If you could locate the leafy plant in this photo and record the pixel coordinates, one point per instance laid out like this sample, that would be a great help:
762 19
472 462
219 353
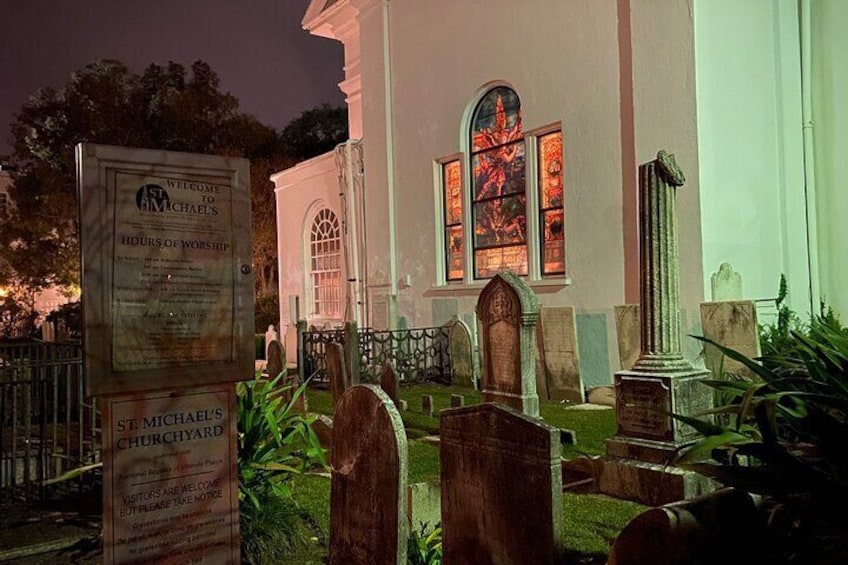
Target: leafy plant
776 339
425 545
274 441
785 438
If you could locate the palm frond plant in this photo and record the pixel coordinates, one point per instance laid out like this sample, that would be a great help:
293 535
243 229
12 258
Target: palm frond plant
785 439
274 443
425 545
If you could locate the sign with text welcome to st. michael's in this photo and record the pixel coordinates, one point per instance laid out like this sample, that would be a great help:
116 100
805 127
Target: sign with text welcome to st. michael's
166 255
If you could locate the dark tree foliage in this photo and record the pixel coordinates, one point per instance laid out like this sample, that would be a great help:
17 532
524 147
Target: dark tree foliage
165 107
315 132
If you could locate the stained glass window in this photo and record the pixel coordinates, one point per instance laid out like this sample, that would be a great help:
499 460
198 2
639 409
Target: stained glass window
326 251
452 183
551 203
498 183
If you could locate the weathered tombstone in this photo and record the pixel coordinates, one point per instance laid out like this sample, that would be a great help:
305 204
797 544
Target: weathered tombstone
403 406
336 371
699 530
481 353
461 354
508 310
427 404
733 325
351 353
457 401
726 284
627 328
271 335
501 487
276 356
541 369
275 366
562 363
662 381
389 382
368 523
323 428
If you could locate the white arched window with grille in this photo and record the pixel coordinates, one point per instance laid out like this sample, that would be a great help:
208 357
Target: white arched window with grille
325 262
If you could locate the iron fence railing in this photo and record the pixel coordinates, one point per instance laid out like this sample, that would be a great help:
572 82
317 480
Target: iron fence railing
417 353
47 426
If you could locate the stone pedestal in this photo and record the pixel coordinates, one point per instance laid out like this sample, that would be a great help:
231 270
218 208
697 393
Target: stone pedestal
638 460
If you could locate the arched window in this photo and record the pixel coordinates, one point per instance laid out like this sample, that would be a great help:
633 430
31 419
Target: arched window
325 250
508 230
498 200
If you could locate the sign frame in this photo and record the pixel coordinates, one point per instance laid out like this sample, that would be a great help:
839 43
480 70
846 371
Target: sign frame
98 170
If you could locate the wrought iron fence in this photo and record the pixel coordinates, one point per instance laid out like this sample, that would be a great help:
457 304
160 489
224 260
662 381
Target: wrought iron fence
417 353
47 426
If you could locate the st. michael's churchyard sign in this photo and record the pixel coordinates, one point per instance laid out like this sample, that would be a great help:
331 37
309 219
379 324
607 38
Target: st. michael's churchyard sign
167 287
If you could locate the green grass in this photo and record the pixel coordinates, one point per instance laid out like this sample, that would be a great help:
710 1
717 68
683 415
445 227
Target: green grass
591 521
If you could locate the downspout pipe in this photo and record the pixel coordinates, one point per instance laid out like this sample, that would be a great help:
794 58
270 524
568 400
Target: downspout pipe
390 153
808 125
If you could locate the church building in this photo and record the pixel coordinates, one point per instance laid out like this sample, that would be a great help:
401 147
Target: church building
499 134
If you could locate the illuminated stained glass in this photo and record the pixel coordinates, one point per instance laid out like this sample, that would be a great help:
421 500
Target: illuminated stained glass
500 221
456 253
497 119
498 185
452 183
453 192
489 262
551 199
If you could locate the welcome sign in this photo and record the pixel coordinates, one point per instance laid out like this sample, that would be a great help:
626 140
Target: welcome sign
167 284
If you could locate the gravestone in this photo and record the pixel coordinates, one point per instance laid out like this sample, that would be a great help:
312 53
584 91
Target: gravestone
389 382
662 381
461 354
457 401
271 335
562 363
351 353
733 325
726 284
336 373
541 370
627 328
481 353
323 428
402 405
698 530
276 365
427 404
276 356
507 310
368 523
501 482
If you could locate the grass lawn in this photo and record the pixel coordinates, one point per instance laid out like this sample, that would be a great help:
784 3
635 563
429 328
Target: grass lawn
591 521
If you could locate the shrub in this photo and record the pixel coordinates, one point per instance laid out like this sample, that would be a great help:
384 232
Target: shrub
425 545
274 443
785 440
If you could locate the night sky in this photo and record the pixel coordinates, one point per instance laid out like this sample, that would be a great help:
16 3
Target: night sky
257 47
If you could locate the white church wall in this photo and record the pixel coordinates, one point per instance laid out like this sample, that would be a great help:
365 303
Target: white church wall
750 144
664 117
299 193
830 116
563 59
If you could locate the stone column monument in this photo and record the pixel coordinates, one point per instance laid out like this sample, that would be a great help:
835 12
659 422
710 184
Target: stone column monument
661 382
